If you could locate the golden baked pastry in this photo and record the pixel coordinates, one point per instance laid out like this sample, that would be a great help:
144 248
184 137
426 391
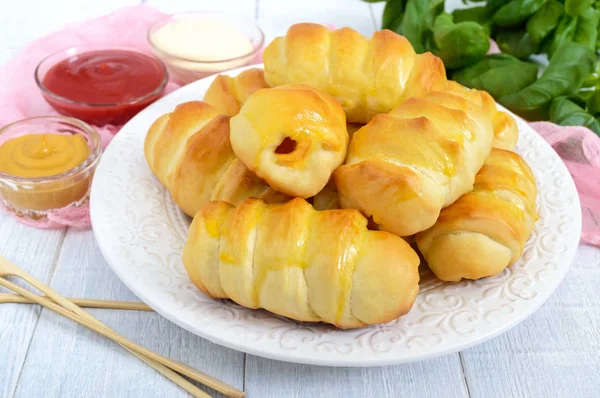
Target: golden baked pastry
485 230
228 94
367 76
327 198
301 263
403 167
189 151
506 131
291 136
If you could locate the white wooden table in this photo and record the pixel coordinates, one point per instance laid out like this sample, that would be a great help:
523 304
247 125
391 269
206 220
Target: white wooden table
554 353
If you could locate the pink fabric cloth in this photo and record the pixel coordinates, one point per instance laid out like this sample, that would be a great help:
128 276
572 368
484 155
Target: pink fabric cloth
579 149
20 98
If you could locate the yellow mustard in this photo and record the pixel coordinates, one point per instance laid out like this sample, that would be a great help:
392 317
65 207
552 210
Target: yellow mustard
42 155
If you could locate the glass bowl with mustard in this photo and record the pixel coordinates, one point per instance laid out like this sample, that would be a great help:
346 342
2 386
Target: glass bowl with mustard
46 164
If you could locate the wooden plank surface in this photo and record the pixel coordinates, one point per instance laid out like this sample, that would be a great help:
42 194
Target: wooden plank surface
554 353
35 251
25 20
275 16
245 8
442 377
63 354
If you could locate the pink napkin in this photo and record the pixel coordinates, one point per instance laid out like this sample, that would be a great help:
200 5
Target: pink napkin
20 98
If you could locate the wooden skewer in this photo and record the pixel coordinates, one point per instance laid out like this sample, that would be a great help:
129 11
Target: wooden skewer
87 303
73 312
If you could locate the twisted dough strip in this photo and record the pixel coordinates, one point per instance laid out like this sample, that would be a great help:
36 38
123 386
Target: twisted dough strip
367 76
189 151
228 94
292 136
301 263
403 167
506 131
485 230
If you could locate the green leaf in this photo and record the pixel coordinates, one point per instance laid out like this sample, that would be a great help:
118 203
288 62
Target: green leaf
565 112
568 69
419 17
576 7
393 9
586 31
545 20
516 11
581 97
593 103
582 30
481 15
498 74
459 44
564 32
517 43
494 5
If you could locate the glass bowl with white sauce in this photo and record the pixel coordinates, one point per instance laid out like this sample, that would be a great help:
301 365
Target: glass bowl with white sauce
194 45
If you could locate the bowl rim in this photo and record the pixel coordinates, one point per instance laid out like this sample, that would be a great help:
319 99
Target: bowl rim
187 14
95 145
89 48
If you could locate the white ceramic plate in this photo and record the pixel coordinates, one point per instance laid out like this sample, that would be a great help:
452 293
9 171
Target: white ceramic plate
141 234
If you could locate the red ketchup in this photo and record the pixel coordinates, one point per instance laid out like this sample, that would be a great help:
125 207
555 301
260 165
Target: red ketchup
104 86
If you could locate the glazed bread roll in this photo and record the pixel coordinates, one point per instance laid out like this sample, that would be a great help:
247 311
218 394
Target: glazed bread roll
485 230
228 94
291 136
301 263
189 151
367 76
506 131
404 167
327 198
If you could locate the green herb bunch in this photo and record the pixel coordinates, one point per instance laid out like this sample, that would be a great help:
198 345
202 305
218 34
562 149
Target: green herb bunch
567 92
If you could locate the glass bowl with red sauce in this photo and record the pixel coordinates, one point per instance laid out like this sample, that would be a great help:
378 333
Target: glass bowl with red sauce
101 85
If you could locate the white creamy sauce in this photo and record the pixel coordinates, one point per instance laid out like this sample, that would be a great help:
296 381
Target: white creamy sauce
202 39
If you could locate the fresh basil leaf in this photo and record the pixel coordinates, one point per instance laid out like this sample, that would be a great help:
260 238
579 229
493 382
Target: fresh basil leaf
593 103
577 7
517 43
494 5
581 97
545 20
498 74
481 15
586 31
565 74
516 11
419 17
393 9
567 113
459 44
564 32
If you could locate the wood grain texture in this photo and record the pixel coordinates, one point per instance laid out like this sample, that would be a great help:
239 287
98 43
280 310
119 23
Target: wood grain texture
25 20
63 354
273 379
275 16
35 251
245 8
555 352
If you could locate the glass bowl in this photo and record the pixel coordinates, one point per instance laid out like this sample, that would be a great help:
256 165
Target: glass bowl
33 198
186 70
96 113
